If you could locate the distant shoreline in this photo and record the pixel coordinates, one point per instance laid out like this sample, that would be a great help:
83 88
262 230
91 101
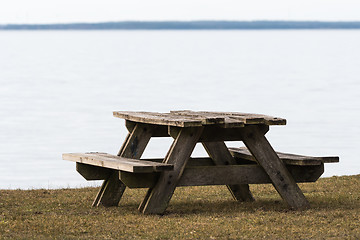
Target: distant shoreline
188 25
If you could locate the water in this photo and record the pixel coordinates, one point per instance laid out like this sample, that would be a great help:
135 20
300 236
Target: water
59 88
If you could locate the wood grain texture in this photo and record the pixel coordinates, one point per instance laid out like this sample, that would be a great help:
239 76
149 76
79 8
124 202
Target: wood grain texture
215 133
157 118
157 130
227 121
281 178
246 174
186 118
112 188
137 141
236 117
287 158
252 118
139 180
201 161
222 175
118 163
220 154
110 192
157 198
90 172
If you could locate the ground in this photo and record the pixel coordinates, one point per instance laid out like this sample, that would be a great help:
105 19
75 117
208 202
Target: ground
193 213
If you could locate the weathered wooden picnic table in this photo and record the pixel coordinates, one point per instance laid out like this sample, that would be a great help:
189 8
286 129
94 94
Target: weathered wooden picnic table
258 163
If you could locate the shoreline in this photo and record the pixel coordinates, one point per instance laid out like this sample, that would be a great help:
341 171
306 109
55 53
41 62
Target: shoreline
190 25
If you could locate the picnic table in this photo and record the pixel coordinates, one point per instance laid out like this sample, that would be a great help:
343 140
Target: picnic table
257 163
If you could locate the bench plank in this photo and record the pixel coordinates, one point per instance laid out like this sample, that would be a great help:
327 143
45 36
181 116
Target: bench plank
287 158
117 163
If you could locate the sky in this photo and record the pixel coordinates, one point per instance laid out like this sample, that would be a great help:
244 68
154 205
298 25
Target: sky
67 11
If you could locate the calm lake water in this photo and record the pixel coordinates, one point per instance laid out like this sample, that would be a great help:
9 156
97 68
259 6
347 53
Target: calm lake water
58 90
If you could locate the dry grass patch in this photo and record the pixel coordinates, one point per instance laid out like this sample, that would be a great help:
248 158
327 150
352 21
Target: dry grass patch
194 212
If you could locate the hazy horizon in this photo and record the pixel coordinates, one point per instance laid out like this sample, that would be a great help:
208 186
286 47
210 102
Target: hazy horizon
175 20
190 25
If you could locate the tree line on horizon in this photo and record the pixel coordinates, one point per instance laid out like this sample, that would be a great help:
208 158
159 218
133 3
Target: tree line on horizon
184 25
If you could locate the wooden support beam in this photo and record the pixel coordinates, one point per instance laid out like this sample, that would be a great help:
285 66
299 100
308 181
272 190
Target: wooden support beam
245 174
158 130
90 172
139 180
110 192
215 133
112 189
203 161
196 161
222 175
157 198
137 142
265 155
220 154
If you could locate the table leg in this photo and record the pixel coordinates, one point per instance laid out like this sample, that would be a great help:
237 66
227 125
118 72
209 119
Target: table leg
220 154
110 192
112 189
157 198
265 155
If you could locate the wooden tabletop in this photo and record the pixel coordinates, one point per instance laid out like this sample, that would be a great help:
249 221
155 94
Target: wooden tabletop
187 118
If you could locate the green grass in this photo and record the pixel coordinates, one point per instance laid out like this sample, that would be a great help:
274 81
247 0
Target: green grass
193 213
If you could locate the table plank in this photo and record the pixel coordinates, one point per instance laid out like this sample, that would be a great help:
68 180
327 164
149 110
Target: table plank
159 118
229 121
187 118
252 118
236 117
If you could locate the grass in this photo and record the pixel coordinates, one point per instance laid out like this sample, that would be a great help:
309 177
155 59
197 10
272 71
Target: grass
193 213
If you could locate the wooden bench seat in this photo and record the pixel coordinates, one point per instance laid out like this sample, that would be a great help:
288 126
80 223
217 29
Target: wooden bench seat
118 163
198 171
136 173
243 153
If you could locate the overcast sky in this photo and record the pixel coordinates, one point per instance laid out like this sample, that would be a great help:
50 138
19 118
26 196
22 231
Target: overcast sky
65 11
